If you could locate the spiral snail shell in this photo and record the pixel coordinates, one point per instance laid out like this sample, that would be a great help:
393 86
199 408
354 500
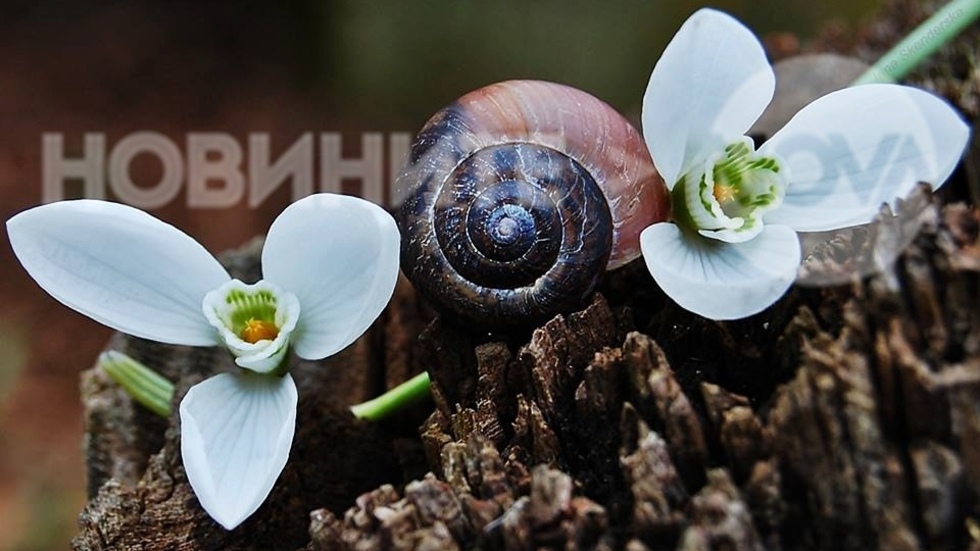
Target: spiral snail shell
518 196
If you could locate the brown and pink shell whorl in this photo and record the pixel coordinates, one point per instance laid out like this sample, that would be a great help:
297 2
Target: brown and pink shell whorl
518 196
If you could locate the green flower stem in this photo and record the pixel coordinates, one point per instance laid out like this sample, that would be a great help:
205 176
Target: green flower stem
411 391
922 42
156 393
142 383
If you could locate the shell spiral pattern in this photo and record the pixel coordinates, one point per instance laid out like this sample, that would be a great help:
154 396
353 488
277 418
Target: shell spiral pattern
518 197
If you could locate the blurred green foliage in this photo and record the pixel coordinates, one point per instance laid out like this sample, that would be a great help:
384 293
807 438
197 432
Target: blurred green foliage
392 63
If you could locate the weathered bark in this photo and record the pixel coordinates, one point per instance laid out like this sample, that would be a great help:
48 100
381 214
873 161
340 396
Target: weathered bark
840 418
867 446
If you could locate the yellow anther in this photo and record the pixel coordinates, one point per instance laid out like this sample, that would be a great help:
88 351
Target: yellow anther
259 330
723 193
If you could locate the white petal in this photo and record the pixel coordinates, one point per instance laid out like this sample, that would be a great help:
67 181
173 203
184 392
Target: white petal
719 280
121 267
852 150
235 435
339 255
711 83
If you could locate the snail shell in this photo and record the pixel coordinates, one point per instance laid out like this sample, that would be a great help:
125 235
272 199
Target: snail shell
518 197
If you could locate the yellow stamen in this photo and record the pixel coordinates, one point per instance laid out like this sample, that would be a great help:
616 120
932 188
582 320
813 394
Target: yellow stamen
723 193
259 330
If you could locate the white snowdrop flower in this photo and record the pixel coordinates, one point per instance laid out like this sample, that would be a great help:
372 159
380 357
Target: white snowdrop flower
329 267
731 248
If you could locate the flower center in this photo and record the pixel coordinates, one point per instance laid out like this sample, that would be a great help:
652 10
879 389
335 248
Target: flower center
726 197
723 193
256 330
255 322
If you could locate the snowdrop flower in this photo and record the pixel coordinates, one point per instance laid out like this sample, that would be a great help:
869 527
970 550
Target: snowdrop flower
731 249
329 264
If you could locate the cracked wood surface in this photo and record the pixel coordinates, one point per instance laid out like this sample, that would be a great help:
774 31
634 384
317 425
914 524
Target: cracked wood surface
841 418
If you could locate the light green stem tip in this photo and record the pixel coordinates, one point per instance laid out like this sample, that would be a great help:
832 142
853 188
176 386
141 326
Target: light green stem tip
922 42
409 392
143 384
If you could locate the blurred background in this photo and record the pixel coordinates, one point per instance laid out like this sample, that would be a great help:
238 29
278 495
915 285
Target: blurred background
283 68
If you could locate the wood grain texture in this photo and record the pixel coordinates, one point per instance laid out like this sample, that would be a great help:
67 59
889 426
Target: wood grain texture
840 418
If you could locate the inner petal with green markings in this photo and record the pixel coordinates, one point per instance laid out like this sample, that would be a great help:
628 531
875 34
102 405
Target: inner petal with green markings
725 198
255 321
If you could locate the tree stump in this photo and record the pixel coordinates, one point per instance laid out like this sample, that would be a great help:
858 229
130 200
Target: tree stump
840 418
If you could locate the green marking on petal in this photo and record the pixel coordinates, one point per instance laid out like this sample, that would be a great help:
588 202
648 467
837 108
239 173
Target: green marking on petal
247 307
703 194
